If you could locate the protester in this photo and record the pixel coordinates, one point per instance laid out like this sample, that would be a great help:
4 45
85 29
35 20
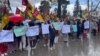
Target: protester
45 35
68 28
19 38
57 31
52 36
79 28
65 34
32 39
3 46
94 28
74 29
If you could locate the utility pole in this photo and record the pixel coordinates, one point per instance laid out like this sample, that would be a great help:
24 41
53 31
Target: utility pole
88 5
59 9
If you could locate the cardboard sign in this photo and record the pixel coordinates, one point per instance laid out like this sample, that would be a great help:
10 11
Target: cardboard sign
6 36
20 30
74 27
66 29
32 31
86 25
45 28
57 25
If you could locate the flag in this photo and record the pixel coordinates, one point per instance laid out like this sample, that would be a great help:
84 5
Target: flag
45 15
5 18
38 15
36 12
18 11
28 12
24 2
30 7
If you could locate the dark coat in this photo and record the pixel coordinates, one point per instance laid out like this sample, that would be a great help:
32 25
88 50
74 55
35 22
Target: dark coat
52 33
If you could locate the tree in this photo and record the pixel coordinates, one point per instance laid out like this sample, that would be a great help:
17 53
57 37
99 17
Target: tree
77 10
45 7
60 2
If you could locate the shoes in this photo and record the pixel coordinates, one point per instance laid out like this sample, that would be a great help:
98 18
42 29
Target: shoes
65 41
2 55
5 54
44 45
34 47
51 48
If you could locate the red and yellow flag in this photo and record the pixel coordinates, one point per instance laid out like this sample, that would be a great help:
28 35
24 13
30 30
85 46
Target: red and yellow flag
28 12
30 7
5 18
38 15
24 2
18 11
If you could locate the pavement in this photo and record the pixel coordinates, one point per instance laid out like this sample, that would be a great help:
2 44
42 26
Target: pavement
77 47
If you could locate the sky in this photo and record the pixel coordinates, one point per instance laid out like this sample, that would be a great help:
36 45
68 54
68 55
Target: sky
72 3
70 8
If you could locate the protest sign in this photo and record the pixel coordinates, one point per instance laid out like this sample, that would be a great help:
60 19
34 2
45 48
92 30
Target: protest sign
45 28
32 31
6 36
57 25
66 29
20 30
86 25
74 27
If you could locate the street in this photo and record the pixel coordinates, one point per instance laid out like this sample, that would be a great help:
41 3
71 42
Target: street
76 47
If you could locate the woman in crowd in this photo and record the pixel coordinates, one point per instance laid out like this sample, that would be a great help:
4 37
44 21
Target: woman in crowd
32 40
65 35
94 28
4 46
79 28
46 35
52 35
57 31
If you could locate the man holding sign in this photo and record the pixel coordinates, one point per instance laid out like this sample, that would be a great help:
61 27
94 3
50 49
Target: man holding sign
45 32
66 28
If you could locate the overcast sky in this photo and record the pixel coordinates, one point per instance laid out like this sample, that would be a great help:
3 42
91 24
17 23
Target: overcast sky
18 3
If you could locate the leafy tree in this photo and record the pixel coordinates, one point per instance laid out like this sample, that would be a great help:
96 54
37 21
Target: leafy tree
45 7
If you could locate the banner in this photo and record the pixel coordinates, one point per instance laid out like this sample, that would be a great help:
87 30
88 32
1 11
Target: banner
6 36
66 29
19 30
57 25
45 28
32 31
86 25
74 27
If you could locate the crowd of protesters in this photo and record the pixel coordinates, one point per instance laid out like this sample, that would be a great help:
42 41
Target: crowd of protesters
48 40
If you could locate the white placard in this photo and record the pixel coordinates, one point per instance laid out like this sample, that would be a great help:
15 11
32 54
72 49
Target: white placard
6 36
32 31
66 29
86 25
45 28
